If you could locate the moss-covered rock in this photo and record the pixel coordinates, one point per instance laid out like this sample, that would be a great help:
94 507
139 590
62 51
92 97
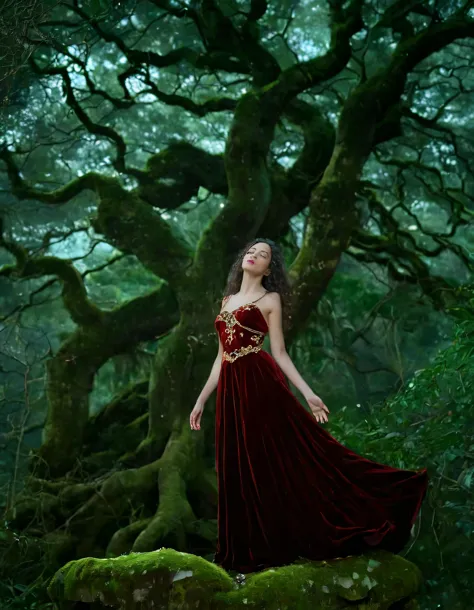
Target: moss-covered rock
168 579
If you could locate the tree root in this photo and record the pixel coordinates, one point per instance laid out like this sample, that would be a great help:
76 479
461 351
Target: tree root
122 541
174 515
170 501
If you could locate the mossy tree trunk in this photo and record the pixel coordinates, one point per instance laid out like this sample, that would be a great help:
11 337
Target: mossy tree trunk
158 487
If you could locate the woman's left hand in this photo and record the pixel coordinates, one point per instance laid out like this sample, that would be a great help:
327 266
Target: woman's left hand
317 407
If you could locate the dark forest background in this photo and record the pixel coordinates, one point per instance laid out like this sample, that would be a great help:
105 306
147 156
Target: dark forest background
142 143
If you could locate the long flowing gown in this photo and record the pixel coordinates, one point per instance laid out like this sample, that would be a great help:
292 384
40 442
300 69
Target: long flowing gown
286 487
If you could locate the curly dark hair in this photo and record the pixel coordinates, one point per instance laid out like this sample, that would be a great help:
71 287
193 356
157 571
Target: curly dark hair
277 281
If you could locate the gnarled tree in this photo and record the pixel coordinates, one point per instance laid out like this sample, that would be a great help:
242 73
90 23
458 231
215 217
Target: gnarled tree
349 112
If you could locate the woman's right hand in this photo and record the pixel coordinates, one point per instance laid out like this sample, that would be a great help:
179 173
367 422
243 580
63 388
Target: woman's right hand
195 417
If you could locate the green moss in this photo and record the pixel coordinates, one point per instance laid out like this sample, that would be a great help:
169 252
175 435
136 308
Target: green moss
170 579
375 580
164 578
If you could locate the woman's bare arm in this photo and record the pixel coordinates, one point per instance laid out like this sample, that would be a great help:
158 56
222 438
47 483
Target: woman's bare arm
280 355
213 379
277 345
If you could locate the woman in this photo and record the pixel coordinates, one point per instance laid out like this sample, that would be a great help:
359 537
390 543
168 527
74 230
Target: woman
287 488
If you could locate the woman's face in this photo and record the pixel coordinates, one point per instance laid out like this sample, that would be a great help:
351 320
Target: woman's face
257 258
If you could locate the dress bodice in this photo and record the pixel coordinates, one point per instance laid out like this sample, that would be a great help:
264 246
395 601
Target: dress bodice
241 331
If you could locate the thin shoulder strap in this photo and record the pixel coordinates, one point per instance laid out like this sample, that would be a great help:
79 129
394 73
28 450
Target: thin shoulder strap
260 297
224 301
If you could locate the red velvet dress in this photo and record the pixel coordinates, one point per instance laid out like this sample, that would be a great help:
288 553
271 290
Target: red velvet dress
287 488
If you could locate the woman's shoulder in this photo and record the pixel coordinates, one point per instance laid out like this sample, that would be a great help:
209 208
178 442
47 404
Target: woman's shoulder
273 299
273 294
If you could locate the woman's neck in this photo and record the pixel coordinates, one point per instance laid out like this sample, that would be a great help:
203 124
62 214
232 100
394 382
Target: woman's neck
251 285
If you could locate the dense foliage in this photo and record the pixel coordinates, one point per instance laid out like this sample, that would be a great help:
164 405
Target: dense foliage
430 422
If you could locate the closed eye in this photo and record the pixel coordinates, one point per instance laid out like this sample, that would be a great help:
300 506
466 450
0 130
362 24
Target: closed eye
264 254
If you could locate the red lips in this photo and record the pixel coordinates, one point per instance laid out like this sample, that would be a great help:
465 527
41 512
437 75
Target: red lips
251 261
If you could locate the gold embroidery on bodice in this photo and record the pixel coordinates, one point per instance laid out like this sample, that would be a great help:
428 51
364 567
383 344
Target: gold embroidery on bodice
232 324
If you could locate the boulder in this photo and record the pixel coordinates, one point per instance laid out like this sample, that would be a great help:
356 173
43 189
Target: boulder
170 580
